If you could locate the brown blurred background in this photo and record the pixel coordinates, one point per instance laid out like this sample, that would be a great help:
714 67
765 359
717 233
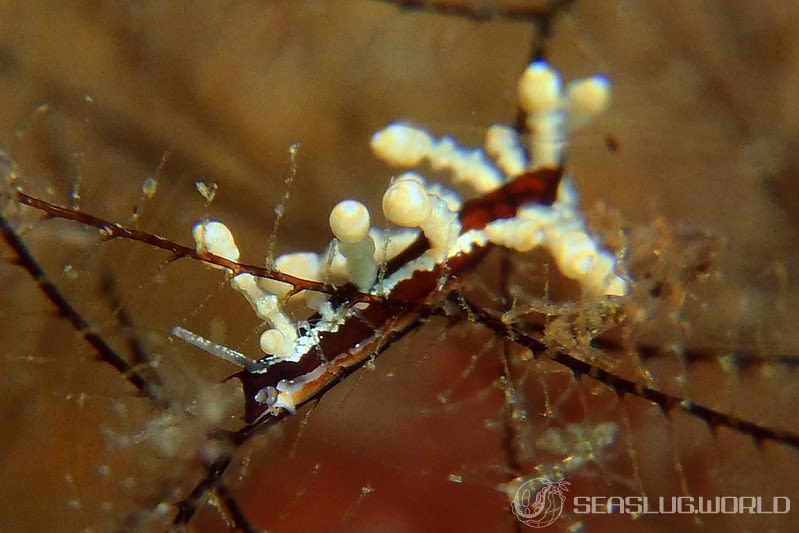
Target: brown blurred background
98 96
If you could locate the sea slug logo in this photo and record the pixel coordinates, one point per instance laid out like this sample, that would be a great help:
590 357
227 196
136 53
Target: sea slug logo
539 502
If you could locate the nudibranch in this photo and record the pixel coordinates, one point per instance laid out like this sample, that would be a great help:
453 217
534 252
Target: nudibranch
522 201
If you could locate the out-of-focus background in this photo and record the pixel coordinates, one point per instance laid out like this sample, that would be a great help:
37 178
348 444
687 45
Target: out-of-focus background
97 97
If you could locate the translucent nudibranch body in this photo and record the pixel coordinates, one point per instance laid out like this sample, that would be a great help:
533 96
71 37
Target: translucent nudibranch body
418 207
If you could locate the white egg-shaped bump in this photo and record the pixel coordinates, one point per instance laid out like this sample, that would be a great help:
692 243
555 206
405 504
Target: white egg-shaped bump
349 221
586 99
214 237
305 265
406 202
401 145
575 252
350 224
301 264
273 342
539 88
